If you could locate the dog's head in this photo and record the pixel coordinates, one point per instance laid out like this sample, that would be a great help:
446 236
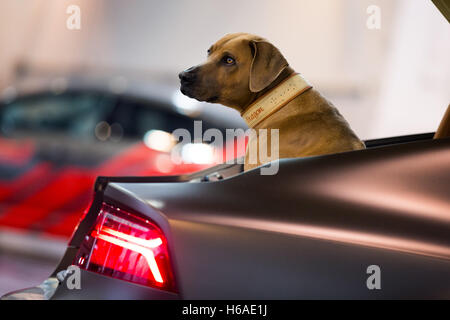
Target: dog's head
238 66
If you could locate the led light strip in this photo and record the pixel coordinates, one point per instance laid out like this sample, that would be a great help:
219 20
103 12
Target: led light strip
141 246
151 243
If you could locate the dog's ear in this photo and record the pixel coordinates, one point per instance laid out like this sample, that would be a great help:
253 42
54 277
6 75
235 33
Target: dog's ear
267 64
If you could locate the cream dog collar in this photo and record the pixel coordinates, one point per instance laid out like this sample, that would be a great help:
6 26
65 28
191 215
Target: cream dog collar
275 99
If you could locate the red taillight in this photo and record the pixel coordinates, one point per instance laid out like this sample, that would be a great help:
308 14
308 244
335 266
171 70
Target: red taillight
124 246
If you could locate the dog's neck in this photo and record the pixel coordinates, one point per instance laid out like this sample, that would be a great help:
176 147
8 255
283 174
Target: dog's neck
286 87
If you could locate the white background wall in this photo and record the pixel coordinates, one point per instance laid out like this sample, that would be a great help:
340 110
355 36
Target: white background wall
391 81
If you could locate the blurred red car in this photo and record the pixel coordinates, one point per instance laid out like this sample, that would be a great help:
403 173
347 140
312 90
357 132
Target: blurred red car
56 138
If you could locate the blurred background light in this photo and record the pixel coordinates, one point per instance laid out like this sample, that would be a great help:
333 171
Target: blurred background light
159 140
102 131
198 153
185 104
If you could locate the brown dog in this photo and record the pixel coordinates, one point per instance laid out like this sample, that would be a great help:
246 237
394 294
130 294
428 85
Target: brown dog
249 74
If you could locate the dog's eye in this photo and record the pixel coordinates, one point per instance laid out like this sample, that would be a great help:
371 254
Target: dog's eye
228 60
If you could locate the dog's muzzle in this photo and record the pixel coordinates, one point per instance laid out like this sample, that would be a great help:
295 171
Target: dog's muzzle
188 76
187 79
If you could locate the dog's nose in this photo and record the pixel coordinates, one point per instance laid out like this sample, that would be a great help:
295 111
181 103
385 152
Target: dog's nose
188 75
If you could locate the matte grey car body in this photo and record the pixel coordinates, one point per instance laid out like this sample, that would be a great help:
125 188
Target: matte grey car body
309 232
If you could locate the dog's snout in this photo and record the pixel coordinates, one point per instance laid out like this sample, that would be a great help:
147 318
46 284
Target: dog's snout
191 69
188 75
